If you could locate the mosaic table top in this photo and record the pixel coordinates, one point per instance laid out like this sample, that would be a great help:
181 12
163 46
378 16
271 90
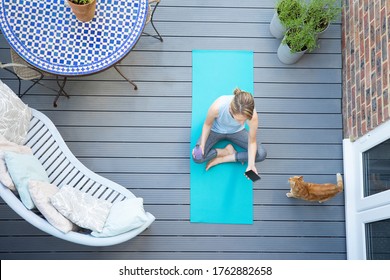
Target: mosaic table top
48 35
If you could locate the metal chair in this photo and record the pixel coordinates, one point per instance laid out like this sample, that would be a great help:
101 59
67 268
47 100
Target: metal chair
149 18
22 71
25 72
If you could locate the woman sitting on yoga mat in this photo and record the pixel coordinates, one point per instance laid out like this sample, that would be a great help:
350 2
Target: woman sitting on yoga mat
226 120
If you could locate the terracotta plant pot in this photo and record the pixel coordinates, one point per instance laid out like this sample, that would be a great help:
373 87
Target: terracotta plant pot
83 13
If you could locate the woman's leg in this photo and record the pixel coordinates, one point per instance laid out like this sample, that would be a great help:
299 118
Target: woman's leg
230 156
227 154
241 139
210 152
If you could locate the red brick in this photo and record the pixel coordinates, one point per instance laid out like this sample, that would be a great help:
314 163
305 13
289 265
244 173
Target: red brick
354 131
373 84
367 48
383 21
378 41
372 58
368 117
385 74
364 127
360 18
359 124
362 66
385 41
378 62
372 35
380 110
379 86
365 5
362 91
371 10
374 120
388 43
377 14
368 75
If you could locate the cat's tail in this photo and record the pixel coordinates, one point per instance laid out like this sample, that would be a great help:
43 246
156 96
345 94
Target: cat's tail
340 184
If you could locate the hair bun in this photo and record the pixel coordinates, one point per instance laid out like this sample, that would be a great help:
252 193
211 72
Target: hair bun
237 91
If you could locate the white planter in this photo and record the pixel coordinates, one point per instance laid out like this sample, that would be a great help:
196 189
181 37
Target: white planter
323 31
276 27
286 56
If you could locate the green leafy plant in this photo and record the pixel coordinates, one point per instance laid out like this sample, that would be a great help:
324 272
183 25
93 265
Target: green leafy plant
300 37
320 13
81 2
290 11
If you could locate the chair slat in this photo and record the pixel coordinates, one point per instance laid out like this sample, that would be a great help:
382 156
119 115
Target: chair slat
58 170
87 186
43 152
51 165
69 172
74 180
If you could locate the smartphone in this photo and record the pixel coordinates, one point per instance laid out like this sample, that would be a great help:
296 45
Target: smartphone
252 175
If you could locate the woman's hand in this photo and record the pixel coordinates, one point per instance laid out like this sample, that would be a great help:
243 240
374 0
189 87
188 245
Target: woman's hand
253 168
194 152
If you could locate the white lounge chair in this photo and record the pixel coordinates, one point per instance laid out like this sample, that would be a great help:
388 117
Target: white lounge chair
63 168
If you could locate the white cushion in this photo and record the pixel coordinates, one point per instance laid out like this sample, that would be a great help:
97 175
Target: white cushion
6 145
41 192
124 216
15 116
23 168
81 208
5 179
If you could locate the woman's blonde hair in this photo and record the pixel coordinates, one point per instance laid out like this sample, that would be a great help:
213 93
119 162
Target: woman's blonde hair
242 104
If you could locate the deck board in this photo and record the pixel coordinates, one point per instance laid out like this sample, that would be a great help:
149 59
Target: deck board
141 139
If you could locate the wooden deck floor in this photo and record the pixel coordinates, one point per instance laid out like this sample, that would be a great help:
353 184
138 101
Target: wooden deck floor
141 140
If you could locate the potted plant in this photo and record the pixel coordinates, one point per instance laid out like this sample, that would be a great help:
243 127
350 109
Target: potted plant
298 39
320 13
286 12
83 9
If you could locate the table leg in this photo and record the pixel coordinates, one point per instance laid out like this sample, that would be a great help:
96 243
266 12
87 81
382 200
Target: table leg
61 90
130 81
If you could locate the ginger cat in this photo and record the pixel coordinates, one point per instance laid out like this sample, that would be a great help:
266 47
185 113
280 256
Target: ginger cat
313 191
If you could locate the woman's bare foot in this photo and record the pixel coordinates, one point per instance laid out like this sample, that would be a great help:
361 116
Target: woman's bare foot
213 162
226 154
228 150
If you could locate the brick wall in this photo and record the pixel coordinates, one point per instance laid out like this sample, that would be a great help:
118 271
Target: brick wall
366 51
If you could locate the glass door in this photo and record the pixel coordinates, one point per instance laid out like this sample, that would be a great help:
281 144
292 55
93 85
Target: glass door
378 240
367 194
376 169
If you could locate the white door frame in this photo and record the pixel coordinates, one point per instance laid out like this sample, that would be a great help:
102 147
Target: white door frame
359 209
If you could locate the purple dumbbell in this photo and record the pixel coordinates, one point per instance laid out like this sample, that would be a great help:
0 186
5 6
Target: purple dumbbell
198 152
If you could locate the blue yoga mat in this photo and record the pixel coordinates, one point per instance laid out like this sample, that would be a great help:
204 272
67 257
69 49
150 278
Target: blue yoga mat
223 194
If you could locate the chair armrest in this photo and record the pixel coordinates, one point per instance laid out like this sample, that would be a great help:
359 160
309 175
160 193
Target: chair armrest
3 66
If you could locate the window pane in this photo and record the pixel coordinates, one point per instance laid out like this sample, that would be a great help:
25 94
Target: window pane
378 240
376 169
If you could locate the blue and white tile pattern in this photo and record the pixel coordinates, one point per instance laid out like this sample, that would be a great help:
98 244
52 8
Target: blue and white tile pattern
48 35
